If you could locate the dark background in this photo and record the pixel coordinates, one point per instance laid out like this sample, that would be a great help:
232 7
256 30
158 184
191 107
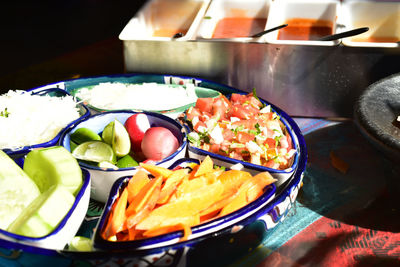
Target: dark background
34 33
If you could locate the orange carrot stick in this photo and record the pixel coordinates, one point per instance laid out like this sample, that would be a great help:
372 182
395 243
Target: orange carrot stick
118 218
141 199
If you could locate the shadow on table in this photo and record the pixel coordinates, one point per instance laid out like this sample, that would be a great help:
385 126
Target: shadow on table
366 195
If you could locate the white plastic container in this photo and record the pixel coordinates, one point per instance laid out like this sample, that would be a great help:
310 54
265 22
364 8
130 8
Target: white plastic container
160 20
382 18
221 9
281 12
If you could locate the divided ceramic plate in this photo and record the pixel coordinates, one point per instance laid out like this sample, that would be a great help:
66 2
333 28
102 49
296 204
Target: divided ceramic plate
376 114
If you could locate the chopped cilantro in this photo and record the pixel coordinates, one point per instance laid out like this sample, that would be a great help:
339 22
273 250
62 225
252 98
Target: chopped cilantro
4 113
256 97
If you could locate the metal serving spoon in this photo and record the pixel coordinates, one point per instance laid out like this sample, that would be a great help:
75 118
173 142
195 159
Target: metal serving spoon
179 35
344 34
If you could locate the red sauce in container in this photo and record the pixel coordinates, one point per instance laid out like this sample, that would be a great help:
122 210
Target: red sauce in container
233 27
305 29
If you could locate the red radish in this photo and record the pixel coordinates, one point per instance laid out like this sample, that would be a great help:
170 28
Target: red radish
159 143
137 125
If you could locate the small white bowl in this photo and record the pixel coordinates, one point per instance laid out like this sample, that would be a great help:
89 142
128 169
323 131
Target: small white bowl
103 179
218 10
65 230
382 19
282 11
167 15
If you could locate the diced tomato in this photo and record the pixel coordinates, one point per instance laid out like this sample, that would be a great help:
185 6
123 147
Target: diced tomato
289 140
240 112
219 108
192 112
199 125
271 164
228 134
243 137
247 124
270 142
238 98
224 147
205 104
235 155
251 109
254 101
214 148
283 142
226 101
266 116
205 116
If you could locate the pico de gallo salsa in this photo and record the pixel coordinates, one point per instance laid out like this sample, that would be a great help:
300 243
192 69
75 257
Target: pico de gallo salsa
241 128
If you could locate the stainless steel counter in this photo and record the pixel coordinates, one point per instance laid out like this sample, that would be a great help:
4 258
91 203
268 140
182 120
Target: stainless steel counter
308 81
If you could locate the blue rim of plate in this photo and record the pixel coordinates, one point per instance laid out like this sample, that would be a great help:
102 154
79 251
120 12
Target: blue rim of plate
182 131
63 222
161 240
84 114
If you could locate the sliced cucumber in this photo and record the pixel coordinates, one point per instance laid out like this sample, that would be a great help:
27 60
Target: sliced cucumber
17 190
53 166
43 215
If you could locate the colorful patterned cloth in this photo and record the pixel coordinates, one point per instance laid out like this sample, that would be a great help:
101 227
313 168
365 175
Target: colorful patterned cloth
340 219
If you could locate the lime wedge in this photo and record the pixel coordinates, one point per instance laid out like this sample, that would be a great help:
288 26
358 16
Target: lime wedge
82 135
121 142
107 165
80 243
127 162
95 151
107 133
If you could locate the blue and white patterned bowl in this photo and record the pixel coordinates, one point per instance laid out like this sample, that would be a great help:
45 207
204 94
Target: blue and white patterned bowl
281 175
213 243
205 229
54 92
65 230
103 179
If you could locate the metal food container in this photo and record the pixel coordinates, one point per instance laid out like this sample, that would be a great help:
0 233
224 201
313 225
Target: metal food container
310 78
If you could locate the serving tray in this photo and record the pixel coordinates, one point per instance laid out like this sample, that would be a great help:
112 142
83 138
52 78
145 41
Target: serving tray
249 232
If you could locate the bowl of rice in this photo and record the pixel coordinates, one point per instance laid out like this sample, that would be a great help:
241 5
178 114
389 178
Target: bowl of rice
141 95
36 118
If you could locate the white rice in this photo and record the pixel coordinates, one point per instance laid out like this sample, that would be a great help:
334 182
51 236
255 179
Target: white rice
146 96
33 119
